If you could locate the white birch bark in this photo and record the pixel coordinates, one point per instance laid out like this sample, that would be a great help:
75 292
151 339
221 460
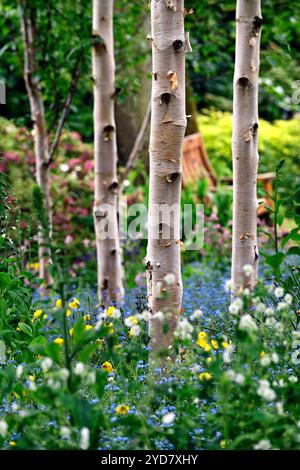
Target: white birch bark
40 136
168 125
245 143
109 267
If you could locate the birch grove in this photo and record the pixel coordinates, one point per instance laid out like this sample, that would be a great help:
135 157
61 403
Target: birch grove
245 144
110 288
168 125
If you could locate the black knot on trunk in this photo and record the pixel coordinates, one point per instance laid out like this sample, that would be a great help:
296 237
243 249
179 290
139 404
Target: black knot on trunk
113 252
173 177
255 128
107 132
105 284
244 83
257 24
114 186
165 98
177 44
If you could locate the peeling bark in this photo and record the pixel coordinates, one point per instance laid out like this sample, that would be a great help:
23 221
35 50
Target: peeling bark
245 143
110 289
168 125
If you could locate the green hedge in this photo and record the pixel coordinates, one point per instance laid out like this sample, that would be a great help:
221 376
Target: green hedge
278 140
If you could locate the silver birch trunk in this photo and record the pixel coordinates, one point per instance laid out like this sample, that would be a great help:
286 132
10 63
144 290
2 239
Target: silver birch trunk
40 135
245 143
109 266
168 125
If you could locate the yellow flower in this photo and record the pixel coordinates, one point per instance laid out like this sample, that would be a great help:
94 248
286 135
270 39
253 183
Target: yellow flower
58 303
107 366
262 354
202 334
87 317
45 316
203 344
88 327
223 443
225 344
110 328
31 378
59 341
209 360
37 314
122 409
130 321
99 341
205 376
18 329
34 266
68 312
74 304
12 443
71 331
214 344
110 311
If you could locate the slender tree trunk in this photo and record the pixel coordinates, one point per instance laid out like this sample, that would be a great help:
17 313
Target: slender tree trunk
168 125
110 287
40 136
245 143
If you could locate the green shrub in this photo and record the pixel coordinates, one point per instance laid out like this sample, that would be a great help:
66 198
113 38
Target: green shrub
278 140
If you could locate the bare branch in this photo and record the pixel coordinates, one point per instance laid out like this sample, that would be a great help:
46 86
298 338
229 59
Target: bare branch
65 110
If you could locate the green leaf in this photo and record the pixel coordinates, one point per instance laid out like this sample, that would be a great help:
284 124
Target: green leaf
100 383
294 250
79 331
25 328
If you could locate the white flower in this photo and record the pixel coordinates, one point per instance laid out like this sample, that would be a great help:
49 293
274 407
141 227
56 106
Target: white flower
265 391
295 358
288 298
98 325
270 321
168 418
269 311
247 323
275 357
135 330
19 371
15 407
279 327
293 379
228 285
64 373
130 321
282 306
65 432
116 314
279 407
260 307
184 329
79 368
84 438
46 364
248 269
170 279
3 428
64 167
264 444
235 306
196 315
227 353
246 292
278 292
145 315
235 377
265 360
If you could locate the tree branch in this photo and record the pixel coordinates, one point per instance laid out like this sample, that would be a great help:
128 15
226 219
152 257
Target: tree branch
65 110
